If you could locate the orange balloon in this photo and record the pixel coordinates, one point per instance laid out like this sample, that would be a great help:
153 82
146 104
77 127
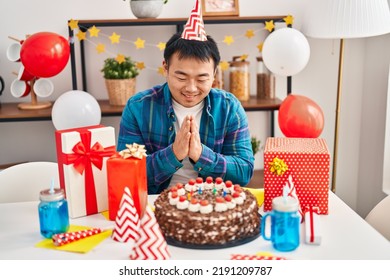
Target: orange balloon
300 117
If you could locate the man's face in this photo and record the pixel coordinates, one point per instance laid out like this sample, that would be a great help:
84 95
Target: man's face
189 80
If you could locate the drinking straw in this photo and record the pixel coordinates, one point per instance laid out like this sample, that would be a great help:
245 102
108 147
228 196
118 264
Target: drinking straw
285 193
52 186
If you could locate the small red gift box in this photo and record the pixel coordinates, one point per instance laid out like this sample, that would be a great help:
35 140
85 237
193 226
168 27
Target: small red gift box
127 171
82 154
307 160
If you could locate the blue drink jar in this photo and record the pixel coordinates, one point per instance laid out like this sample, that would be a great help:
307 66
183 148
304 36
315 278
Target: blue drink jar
53 212
285 224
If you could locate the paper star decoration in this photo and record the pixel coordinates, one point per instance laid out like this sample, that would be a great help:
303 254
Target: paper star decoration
140 65
243 57
160 70
289 20
269 25
139 44
100 48
93 31
115 38
224 65
228 40
73 24
120 58
161 46
249 33
260 46
81 35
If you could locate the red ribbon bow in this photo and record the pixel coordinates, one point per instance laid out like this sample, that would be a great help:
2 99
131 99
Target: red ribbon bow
83 156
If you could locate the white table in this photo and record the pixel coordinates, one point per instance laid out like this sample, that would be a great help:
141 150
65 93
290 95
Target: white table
345 235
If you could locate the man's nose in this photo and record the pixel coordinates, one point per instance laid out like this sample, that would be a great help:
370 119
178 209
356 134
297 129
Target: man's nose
191 86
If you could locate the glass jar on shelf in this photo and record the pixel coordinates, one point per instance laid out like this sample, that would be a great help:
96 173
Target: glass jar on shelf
265 81
239 78
218 79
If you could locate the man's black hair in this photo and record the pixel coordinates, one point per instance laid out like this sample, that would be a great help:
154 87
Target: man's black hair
201 50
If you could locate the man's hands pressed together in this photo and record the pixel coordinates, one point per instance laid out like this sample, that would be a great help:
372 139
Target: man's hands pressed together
187 142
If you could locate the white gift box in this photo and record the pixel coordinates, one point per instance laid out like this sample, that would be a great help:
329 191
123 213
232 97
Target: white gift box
82 154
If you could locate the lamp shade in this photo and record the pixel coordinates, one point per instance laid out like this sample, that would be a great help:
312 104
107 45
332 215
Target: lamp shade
337 19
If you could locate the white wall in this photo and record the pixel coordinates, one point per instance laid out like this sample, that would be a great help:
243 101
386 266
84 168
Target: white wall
373 123
366 64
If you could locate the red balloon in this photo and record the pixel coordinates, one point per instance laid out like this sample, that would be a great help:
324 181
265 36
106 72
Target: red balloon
45 54
301 117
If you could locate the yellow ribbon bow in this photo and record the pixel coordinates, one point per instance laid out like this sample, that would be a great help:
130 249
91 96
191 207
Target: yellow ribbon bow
277 166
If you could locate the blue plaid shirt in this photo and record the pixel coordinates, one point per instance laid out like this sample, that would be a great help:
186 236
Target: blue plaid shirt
148 119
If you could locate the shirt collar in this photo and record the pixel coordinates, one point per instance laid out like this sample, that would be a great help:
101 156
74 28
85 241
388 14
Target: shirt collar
168 99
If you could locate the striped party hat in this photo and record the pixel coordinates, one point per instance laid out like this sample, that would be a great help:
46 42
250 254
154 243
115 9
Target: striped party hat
127 222
194 28
151 244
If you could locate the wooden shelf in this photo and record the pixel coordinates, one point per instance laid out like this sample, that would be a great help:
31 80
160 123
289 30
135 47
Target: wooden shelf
9 112
255 104
176 21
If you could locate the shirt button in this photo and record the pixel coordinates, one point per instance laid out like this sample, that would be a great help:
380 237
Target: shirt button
170 128
177 168
200 169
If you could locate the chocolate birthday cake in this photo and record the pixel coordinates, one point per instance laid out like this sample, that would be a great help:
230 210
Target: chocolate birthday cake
207 213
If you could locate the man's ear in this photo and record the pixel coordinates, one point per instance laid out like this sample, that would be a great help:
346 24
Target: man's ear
165 68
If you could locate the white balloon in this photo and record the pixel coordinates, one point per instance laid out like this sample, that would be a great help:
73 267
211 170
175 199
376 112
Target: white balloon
75 109
286 51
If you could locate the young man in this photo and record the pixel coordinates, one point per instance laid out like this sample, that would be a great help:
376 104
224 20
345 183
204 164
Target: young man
189 129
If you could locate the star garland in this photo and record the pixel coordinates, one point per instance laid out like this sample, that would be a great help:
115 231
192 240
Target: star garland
115 38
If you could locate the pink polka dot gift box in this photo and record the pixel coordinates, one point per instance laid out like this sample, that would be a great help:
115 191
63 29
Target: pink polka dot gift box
301 164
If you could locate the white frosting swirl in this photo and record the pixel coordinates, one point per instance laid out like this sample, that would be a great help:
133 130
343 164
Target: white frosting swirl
194 207
208 186
239 200
220 207
199 185
231 204
182 204
190 188
173 201
219 186
181 191
206 209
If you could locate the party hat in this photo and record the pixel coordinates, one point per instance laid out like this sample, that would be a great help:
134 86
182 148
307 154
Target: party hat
194 28
151 245
127 223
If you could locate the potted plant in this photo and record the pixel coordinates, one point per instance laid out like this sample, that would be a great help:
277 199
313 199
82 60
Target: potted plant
147 8
255 144
120 79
